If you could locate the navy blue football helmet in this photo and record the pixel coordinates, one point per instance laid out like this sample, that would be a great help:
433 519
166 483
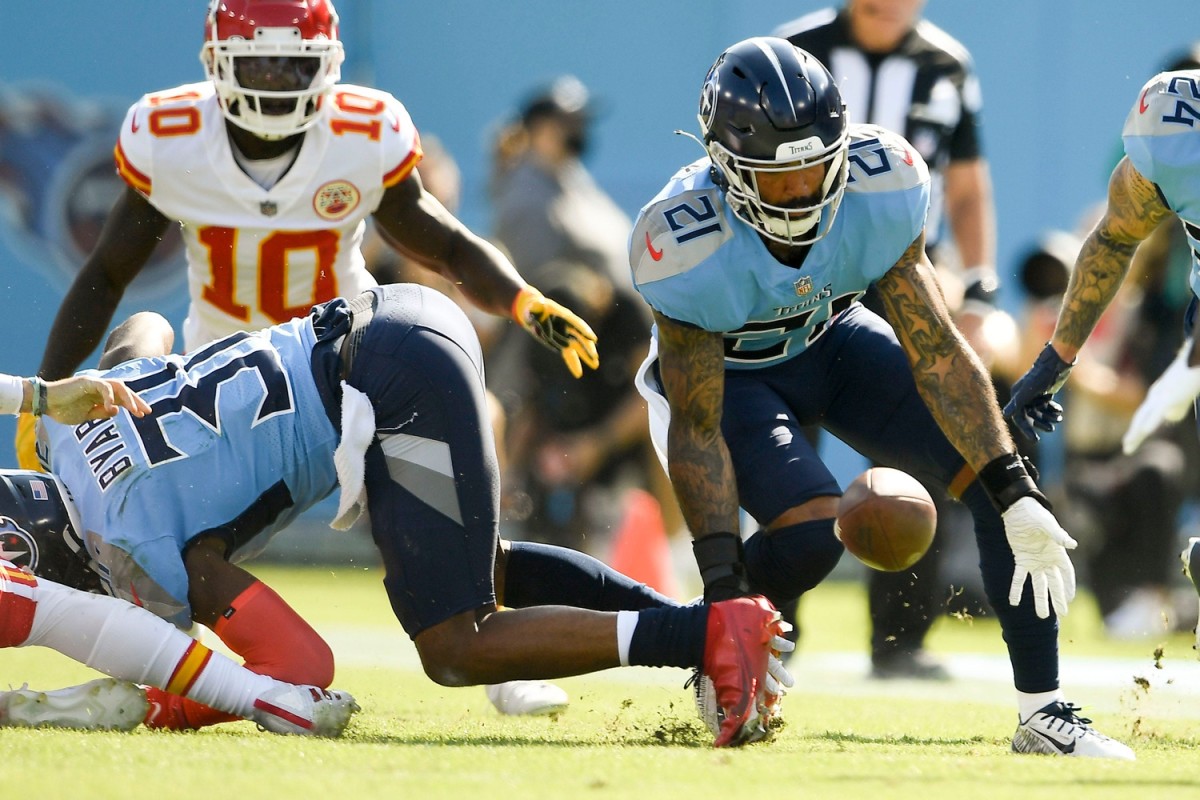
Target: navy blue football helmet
39 529
768 106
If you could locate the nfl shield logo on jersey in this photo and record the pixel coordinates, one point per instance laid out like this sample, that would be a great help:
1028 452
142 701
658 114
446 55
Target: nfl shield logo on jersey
269 208
803 286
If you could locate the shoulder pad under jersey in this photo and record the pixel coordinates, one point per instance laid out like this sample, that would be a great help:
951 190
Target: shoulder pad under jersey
1160 129
681 227
883 161
381 117
171 112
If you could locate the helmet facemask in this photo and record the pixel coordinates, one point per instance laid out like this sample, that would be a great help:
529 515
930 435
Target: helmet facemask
790 225
241 68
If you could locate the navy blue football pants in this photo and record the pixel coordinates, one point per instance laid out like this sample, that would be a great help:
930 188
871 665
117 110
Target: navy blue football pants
855 382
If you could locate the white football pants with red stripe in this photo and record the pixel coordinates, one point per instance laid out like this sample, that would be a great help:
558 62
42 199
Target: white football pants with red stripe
121 640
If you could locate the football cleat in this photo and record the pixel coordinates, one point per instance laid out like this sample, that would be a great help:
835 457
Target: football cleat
106 704
1057 730
303 710
527 698
770 708
1192 553
737 650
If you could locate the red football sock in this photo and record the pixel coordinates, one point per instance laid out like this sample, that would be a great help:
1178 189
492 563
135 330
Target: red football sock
272 638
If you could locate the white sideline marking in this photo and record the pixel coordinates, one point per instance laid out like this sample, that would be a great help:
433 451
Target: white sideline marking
1106 684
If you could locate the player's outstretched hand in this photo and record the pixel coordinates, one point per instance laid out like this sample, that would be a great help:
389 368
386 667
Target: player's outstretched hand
82 397
1039 546
1032 404
1167 400
557 327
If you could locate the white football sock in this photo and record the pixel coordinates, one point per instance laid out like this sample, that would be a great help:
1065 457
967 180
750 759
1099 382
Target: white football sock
130 643
1028 703
626 622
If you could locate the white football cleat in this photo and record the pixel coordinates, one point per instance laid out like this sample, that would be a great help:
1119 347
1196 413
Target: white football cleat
1190 553
705 696
304 710
1057 730
527 698
106 704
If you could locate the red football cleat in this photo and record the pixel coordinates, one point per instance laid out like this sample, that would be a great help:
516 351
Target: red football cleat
736 649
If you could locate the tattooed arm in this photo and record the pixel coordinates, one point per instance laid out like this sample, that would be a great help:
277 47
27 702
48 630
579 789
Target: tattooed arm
1134 210
950 377
692 364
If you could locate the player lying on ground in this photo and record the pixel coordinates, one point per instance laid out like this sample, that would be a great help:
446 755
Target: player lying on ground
113 636
136 647
384 396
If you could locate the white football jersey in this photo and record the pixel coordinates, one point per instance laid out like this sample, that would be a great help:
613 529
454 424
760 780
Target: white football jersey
256 256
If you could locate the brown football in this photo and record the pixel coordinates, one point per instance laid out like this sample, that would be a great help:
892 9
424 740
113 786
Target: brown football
886 519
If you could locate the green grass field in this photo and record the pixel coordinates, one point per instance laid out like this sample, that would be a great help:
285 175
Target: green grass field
632 733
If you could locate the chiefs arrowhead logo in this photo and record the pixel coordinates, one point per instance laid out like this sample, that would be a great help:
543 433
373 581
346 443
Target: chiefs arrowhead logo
655 254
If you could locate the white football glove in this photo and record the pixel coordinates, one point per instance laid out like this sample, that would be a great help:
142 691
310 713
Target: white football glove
1168 400
1039 546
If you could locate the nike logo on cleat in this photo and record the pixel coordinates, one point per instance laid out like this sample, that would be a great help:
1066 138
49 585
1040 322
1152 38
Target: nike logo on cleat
1066 748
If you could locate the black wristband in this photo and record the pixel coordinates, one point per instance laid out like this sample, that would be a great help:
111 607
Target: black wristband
719 557
1007 479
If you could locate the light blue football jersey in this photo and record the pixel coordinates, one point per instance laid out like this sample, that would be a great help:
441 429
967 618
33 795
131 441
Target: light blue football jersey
695 262
1162 140
238 430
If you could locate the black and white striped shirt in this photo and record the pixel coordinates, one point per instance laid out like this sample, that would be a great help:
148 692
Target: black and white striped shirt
925 89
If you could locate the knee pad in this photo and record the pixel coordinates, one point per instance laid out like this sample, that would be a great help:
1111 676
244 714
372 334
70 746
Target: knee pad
785 563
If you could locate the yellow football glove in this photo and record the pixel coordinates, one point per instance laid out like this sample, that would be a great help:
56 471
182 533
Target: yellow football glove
26 442
558 328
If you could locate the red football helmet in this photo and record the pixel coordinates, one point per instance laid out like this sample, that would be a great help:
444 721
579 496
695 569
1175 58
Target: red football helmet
272 61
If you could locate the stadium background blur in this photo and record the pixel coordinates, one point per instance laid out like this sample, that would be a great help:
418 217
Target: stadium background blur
1058 79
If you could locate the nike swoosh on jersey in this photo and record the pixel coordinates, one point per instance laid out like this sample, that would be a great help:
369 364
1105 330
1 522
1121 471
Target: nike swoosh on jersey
1142 107
655 254
133 126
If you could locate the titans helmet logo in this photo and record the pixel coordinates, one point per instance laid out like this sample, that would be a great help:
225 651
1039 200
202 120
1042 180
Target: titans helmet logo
17 545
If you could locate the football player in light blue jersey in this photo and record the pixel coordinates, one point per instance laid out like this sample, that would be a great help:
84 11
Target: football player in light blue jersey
383 397
752 260
1158 178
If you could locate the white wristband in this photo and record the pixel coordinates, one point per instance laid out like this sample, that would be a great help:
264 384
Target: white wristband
12 391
